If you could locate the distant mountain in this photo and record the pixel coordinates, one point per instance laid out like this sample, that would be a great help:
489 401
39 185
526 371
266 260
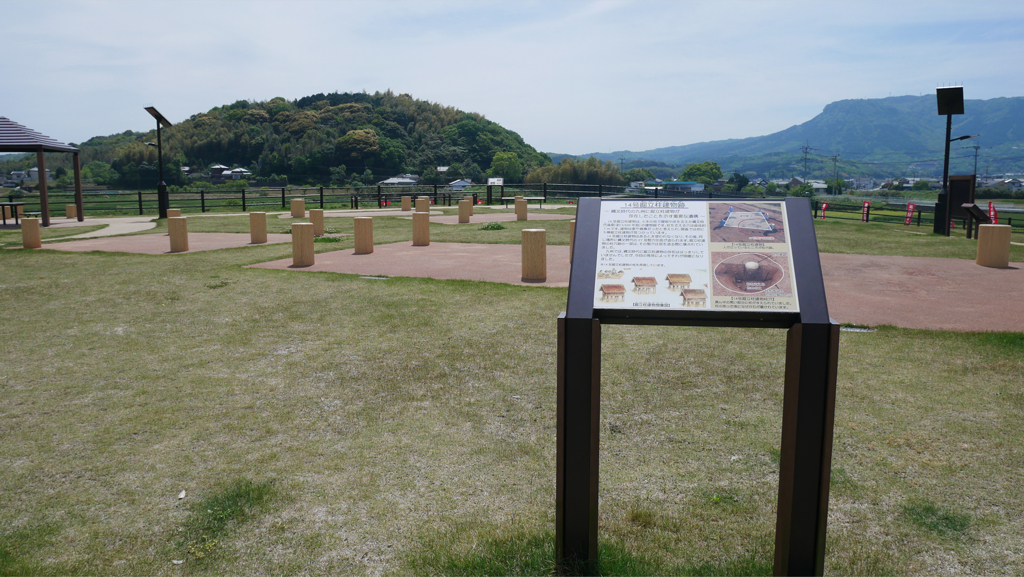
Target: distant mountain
875 137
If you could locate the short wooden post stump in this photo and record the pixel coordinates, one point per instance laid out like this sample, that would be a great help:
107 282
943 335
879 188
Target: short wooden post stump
364 235
173 212
298 208
465 210
520 208
177 228
302 244
993 245
31 236
422 204
535 255
572 236
7 212
316 216
71 210
406 203
257 227
421 229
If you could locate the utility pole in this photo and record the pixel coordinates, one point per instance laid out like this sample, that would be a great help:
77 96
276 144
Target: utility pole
806 150
835 173
621 158
975 147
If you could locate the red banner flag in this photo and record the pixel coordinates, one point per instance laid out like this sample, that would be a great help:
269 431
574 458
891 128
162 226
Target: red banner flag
992 214
824 205
865 210
911 207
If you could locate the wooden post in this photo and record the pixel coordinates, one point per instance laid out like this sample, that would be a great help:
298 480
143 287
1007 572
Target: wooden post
535 259
465 209
364 234
177 228
406 203
422 204
302 244
572 236
71 211
172 212
316 216
258 227
78 187
421 229
993 245
520 208
298 208
44 200
31 237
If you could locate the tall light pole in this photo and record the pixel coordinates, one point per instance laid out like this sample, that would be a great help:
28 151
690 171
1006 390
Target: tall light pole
950 101
163 202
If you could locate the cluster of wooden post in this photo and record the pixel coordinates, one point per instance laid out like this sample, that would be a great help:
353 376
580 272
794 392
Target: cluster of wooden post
9 214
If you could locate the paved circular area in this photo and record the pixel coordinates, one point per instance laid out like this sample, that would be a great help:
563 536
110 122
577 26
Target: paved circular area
161 243
439 260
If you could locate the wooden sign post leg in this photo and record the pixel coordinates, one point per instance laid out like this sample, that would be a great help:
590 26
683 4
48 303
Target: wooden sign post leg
808 413
579 412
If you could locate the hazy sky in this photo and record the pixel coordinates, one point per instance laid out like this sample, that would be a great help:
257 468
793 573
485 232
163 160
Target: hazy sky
569 76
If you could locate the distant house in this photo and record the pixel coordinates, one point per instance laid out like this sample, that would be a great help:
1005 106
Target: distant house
683 186
401 180
796 181
236 174
817 186
217 170
460 184
1011 183
33 174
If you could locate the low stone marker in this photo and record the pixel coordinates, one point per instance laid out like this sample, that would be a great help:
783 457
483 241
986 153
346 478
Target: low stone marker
520 208
258 227
535 255
406 203
302 244
364 234
71 210
421 229
316 216
31 236
177 228
465 210
172 212
298 208
572 236
422 204
993 245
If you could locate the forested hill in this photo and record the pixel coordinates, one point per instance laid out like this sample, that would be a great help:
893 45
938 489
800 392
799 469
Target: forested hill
886 134
343 138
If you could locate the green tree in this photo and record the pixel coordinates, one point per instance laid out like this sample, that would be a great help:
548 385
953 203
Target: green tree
638 174
339 174
506 165
919 185
706 172
738 181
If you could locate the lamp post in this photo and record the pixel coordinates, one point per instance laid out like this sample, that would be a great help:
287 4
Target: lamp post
950 101
163 202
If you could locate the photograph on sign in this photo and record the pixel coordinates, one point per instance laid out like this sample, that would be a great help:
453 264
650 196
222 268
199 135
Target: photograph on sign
694 255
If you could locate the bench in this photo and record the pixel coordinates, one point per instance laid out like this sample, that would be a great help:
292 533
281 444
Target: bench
507 199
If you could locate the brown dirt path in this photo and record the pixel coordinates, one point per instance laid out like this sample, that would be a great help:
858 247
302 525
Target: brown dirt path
161 243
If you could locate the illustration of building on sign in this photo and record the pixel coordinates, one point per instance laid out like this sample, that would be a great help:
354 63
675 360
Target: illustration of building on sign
678 281
613 292
610 273
694 298
645 284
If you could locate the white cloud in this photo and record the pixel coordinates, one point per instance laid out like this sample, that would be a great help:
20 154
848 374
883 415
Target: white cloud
568 76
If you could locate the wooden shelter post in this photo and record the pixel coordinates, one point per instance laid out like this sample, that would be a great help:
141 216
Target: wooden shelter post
44 201
76 164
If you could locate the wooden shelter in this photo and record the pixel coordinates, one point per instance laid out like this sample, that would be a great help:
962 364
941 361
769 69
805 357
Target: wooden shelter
645 284
678 281
17 138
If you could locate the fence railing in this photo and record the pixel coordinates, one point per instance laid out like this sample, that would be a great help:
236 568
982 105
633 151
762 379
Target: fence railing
896 213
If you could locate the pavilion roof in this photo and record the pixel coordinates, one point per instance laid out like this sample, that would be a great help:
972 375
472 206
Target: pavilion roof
17 138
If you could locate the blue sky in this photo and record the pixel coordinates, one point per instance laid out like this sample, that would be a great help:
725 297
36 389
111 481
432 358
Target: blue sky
569 76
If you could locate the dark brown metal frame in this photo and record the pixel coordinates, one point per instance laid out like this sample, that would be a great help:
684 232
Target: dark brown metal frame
812 352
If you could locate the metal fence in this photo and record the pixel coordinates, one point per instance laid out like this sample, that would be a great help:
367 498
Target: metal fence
896 214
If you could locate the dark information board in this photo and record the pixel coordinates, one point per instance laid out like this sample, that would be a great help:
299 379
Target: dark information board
737 263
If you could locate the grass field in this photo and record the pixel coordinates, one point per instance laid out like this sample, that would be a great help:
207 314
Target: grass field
325 423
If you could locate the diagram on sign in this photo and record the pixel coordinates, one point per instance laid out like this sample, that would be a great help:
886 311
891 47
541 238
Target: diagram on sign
749 273
747 222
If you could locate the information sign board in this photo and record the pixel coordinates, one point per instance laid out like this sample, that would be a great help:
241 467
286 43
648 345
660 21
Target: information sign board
496 181
694 255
